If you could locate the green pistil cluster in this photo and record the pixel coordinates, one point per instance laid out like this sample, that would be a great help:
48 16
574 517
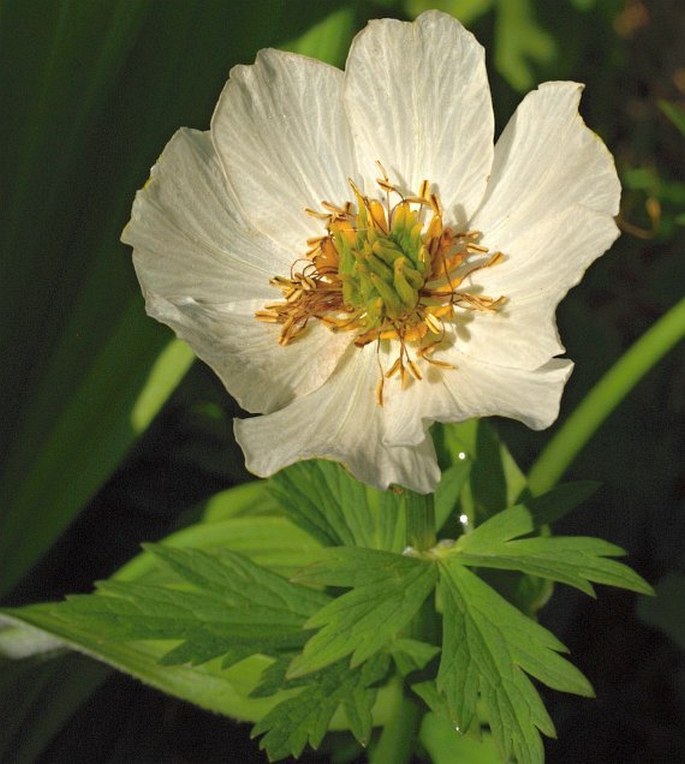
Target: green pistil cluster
383 267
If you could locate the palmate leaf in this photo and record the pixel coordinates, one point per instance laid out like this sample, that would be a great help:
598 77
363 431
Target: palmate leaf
327 502
234 609
487 646
305 718
494 480
576 561
387 591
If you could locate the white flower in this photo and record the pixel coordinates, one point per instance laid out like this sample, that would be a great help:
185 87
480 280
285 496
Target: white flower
306 317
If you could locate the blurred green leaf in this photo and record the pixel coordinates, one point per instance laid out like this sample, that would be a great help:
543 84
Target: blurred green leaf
464 10
91 92
329 40
666 611
446 746
39 696
251 499
494 481
520 43
675 113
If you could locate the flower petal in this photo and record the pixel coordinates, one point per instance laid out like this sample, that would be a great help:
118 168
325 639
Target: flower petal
419 101
343 422
284 142
546 162
542 264
258 372
475 389
197 244
204 274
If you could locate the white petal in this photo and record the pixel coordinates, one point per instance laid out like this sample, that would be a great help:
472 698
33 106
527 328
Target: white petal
205 275
283 139
339 421
258 372
476 389
543 263
419 101
196 244
546 162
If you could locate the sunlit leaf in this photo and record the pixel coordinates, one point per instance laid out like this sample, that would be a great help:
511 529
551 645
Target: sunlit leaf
304 719
487 646
326 501
573 560
387 591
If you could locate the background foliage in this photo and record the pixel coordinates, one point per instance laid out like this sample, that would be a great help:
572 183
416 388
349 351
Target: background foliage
101 449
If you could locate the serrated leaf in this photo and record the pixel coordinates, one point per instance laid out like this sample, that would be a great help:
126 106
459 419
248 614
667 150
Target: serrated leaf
304 719
206 626
412 655
210 686
229 607
576 561
233 574
388 589
327 502
487 646
271 542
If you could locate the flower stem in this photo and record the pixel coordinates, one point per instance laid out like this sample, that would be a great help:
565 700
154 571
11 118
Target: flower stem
397 741
419 511
604 397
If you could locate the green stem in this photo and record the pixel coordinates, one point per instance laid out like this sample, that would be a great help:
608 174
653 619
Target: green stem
397 742
604 397
419 511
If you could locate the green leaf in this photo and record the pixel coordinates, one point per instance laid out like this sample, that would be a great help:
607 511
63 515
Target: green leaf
576 561
412 655
168 370
446 746
38 698
272 542
675 113
449 489
667 610
87 107
487 646
388 589
304 719
329 40
494 479
327 502
234 609
520 41
209 685
251 499
559 501
466 11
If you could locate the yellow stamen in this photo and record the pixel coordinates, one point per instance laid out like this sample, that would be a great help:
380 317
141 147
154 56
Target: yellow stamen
383 273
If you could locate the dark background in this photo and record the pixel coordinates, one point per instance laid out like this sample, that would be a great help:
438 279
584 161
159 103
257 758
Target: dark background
89 97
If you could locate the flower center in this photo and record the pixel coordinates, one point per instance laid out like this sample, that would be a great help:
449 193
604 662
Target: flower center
386 270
